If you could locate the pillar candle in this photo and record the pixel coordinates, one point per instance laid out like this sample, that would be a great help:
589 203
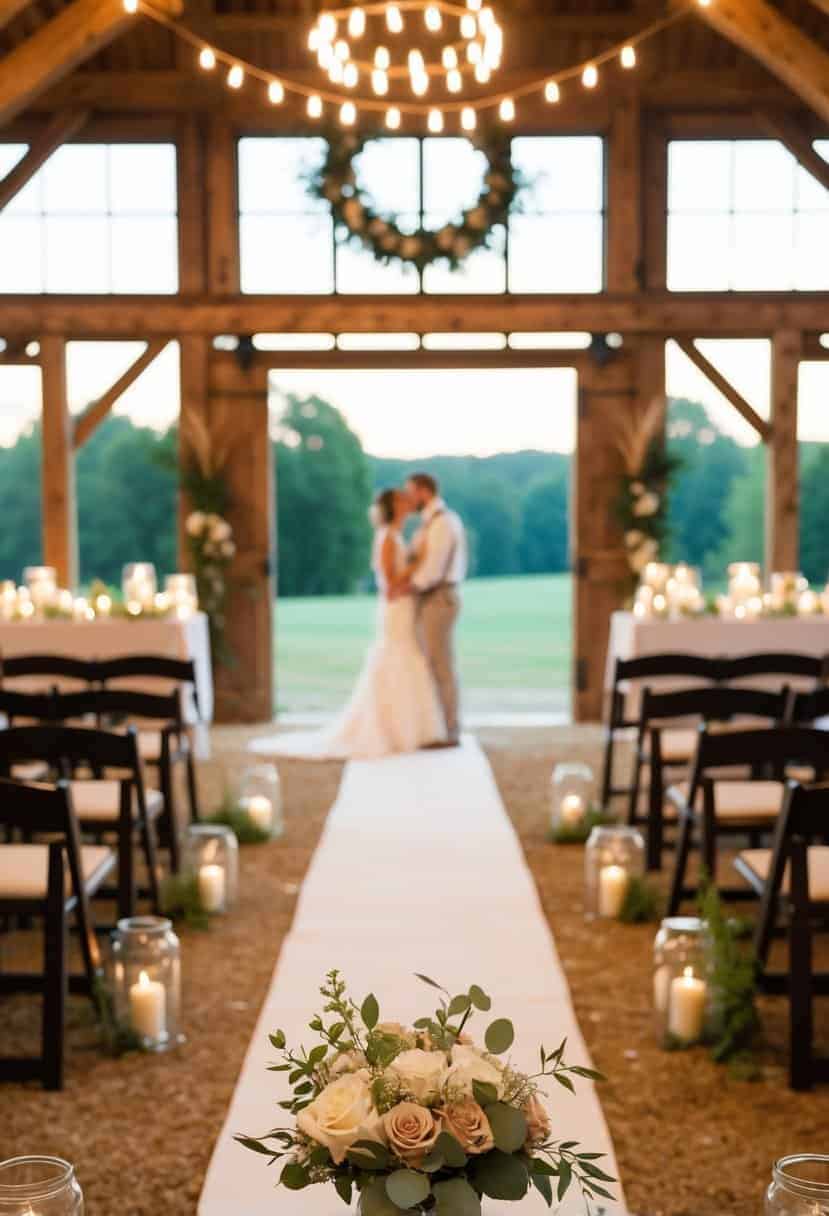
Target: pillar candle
260 812
148 1007
572 810
212 887
686 1013
613 885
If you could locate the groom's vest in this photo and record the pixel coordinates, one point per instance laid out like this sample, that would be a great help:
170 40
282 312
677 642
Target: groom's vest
443 581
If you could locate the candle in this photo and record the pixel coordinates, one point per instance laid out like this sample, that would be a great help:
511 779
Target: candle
613 885
103 605
572 810
148 1008
661 988
686 1013
212 887
808 604
260 812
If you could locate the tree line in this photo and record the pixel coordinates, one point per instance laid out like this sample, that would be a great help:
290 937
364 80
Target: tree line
515 504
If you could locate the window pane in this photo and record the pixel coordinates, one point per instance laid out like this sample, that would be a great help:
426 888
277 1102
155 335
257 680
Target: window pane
290 253
484 270
809 193
21 254
563 173
358 272
763 176
10 155
273 172
143 178
144 255
698 252
26 200
77 255
389 171
811 270
75 180
556 253
453 175
763 253
699 175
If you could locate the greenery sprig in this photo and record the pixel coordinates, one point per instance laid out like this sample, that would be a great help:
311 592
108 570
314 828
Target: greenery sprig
642 903
733 969
577 833
181 900
230 814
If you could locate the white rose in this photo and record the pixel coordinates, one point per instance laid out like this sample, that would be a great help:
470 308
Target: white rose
646 504
228 548
420 1073
341 1115
195 523
347 1062
410 247
468 1065
634 538
220 529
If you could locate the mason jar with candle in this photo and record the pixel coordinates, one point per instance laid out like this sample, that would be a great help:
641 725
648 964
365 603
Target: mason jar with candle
572 791
799 1186
744 587
42 585
39 1186
211 858
785 587
614 858
260 798
181 596
681 943
146 977
139 585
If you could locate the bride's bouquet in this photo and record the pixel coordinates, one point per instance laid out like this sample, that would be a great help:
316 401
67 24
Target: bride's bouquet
422 1118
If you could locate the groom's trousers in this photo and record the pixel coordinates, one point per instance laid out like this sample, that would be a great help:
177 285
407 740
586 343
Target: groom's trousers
438 611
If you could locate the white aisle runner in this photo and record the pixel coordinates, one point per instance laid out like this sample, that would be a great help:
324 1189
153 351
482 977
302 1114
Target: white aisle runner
418 869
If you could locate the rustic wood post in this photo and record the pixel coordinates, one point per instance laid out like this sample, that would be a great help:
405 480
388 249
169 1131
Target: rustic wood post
782 485
59 506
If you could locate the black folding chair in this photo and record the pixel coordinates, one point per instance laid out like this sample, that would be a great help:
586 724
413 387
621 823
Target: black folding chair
787 664
54 881
42 670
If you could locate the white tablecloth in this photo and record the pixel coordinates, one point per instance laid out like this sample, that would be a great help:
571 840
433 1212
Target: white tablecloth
632 638
108 639
418 870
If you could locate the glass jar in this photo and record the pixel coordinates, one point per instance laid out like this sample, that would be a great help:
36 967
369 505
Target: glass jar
211 857
260 798
42 585
39 1186
572 790
8 600
139 585
613 859
799 1186
147 981
785 587
180 595
680 956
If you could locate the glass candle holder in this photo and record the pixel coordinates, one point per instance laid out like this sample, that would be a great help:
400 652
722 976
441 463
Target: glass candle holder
799 1186
260 798
809 603
39 1186
680 947
572 790
656 575
147 980
42 585
613 859
211 856
182 598
139 586
785 587
683 591
744 584
8 600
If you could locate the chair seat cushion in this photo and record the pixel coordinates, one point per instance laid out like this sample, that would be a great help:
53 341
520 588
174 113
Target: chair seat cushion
678 746
100 801
758 861
24 869
36 770
738 802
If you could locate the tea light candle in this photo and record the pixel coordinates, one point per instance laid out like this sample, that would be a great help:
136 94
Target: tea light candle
148 1007
613 885
808 603
260 812
212 887
572 810
686 1013
103 605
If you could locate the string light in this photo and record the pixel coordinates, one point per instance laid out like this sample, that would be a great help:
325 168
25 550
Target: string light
590 76
382 59
327 27
627 57
236 76
131 6
348 113
486 20
351 75
449 58
474 53
506 110
394 19
379 83
469 119
393 119
454 81
314 106
207 58
483 72
341 50
314 39
469 26
276 92
356 23
325 55
420 85
336 72
433 19
416 65
552 92
474 5
435 121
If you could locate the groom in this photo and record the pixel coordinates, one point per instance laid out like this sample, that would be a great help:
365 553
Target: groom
436 584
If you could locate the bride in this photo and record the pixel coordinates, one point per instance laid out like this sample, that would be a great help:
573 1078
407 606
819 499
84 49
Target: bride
394 707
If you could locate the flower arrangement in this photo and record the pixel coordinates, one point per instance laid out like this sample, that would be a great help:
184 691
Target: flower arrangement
336 182
421 1118
212 549
642 505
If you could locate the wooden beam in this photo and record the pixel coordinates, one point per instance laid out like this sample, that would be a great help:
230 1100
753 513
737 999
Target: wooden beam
9 9
59 508
715 377
222 209
693 314
625 266
94 414
823 5
71 37
798 141
655 204
57 132
776 42
782 470
192 232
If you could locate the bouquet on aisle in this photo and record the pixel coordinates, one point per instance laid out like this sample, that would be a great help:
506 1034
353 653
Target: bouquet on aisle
422 1119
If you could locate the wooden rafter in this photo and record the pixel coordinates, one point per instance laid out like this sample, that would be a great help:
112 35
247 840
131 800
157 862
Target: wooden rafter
9 9
71 37
790 133
715 377
776 42
61 128
823 5
94 414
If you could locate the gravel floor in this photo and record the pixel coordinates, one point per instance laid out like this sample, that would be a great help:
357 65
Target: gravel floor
690 1140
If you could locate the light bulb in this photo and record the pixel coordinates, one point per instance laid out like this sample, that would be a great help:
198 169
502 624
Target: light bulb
474 53
276 92
416 64
356 23
325 55
704 3
506 110
382 59
627 58
314 106
348 113
327 27
420 84
474 5
493 46
394 19
433 18
469 119
486 20
552 92
341 50
469 26
335 72
454 81
590 76
393 119
236 76
130 6
449 58
379 82
482 72
207 58
314 39
435 122
351 75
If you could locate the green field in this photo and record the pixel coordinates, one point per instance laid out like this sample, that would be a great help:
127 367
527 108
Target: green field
514 642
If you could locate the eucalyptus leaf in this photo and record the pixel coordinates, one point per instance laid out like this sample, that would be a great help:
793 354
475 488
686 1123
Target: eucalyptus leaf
407 1189
543 1185
499 1036
565 1175
480 999
500 1176
509 1127
374 1201
370 1011
458 1004
456 1198
294 1177
451 1151
484 1093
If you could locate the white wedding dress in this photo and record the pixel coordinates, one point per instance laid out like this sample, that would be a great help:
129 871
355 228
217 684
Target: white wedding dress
394 707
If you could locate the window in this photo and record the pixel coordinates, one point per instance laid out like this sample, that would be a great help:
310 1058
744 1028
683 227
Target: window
289 243
95 218
744 216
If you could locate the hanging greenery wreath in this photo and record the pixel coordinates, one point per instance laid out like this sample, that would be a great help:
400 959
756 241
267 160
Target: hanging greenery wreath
337 182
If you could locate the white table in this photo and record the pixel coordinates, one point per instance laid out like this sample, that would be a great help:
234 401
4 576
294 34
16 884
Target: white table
632 637
109 638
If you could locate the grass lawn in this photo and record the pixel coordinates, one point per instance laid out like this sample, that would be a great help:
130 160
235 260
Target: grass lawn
514 642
